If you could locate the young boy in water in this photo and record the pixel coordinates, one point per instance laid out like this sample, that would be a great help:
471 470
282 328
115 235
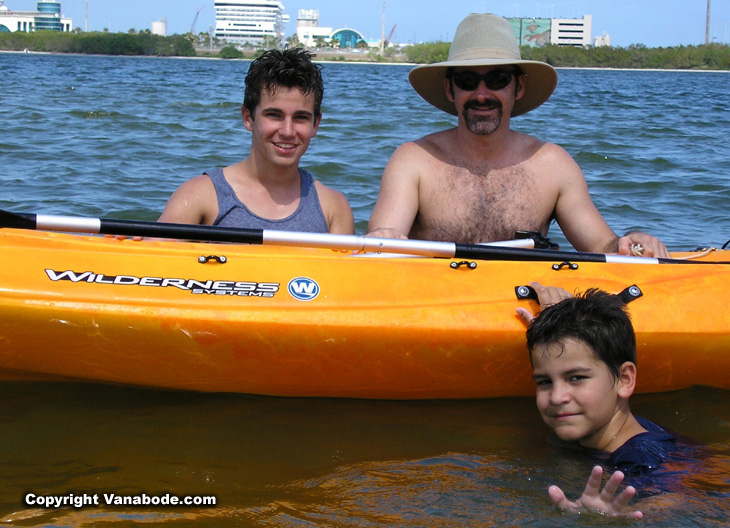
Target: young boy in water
268 190
583 354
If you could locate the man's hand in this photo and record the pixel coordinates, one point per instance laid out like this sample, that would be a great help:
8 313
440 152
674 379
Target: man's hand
638 243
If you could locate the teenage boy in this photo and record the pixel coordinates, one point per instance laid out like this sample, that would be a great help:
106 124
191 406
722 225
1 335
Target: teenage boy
583 355
268 190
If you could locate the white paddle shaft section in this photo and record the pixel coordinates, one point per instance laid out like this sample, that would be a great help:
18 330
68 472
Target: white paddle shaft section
70 224
360 243
527 243
374 244
75 224
628 259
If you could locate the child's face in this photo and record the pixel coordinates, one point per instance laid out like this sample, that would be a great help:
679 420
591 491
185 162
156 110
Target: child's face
576 395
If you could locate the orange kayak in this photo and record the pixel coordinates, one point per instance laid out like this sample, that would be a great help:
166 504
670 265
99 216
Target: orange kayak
320 323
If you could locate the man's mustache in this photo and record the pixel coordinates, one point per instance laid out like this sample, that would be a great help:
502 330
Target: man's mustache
487 104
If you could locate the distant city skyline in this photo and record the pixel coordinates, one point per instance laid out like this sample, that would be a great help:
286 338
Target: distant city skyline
653 23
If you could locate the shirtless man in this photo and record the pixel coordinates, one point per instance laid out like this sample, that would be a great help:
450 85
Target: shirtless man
482 181
268 190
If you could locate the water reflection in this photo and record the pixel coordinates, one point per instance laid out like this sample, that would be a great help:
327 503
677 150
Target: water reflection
309 462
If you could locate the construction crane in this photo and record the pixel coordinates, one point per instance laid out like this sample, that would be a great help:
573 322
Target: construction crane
390 36
192 26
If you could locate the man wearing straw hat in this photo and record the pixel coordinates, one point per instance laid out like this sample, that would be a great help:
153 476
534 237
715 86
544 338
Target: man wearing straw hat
482 181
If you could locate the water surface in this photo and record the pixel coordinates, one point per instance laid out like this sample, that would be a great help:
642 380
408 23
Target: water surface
115 136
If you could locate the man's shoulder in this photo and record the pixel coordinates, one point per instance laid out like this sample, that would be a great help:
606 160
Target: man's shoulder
430 142
552 148
548 158
439 139
423 150
530 143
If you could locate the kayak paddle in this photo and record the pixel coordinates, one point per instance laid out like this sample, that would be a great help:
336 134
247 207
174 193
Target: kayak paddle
493 251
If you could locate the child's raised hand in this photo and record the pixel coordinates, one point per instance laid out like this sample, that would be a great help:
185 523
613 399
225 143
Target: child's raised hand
595 500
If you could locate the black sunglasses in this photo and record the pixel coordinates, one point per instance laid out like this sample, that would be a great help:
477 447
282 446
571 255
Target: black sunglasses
494 80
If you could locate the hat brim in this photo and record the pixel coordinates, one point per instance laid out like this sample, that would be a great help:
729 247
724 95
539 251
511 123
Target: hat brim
428 81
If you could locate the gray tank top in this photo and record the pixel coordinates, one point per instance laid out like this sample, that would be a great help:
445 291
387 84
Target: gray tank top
233 213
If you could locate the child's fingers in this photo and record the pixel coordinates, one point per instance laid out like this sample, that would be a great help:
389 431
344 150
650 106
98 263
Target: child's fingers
559 499
624 497
609 490
593 486
525 315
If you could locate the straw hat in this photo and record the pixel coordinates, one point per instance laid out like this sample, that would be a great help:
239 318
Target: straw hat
484 39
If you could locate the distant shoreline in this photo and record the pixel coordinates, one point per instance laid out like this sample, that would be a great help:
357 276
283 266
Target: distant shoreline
346 61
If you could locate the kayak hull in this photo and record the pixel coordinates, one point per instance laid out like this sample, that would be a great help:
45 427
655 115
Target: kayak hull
320 323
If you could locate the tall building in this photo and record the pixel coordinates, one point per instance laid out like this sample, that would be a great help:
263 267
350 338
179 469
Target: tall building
571 31
538 32
159 27
47 17
249 21
308 28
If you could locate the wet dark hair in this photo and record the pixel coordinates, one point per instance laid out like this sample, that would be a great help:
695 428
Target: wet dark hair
595 318
290 68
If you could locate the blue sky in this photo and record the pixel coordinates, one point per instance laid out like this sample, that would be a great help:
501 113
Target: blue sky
653 23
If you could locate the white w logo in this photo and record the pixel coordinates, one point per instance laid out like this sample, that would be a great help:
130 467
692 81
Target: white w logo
303 288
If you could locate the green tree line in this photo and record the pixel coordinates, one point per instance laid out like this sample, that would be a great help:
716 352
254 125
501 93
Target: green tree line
98 43
704 57
707 57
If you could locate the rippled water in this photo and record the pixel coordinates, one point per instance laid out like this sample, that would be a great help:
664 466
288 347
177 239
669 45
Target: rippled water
275 462
114 136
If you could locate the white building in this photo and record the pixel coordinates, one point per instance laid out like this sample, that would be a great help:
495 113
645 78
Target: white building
48 16
309 32
571 31
249 21
159 27
538 32
603 40
308 28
